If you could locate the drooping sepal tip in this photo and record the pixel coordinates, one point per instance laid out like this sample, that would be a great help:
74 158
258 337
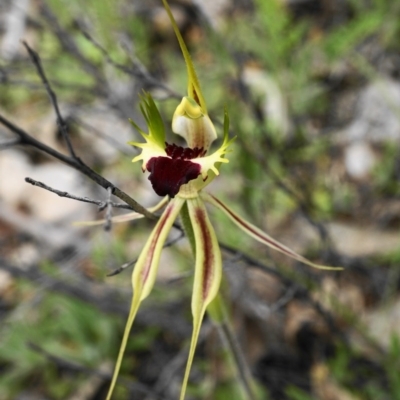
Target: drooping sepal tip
207 276
260 235
145 272
132 314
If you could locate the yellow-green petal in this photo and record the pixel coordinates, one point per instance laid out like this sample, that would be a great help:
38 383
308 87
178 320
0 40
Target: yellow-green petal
212 162
207 276
145 272
155 139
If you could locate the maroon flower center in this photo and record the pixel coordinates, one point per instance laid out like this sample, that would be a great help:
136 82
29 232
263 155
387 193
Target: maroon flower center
184 153
168 174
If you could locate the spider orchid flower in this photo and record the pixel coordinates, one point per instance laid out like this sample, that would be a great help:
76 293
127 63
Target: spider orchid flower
179 174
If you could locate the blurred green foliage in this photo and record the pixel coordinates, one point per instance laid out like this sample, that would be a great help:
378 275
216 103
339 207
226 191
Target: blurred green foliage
62 326
270 171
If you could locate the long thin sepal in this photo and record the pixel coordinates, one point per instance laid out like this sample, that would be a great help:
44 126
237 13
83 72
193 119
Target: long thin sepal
125 217
132 314
260 235
194 90
207 276
145 272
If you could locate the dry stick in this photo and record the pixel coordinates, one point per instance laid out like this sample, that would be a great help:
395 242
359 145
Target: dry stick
73 160
172 367
53 98
127 150
137 70
245 377
299 289
8 144
70 46
101 204
26 139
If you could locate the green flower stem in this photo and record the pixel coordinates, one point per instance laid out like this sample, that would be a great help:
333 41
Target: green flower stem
218 314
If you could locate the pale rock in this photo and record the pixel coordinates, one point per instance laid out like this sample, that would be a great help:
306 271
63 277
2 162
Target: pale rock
275 107
15 25
377 120
26 255
350 239
384 322
14 167
359 159
214 10
377 113
361 241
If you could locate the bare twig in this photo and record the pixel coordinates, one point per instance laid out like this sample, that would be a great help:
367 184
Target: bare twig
172 367
53 98
123 148
26 139
101 204
137 70
8 144
297 288
285 299
70 46
244 374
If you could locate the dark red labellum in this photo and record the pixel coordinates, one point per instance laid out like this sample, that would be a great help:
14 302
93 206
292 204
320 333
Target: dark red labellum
167 175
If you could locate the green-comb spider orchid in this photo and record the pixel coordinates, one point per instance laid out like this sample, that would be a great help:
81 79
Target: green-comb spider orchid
179 175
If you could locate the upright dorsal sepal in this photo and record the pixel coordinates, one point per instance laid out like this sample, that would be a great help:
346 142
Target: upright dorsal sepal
194 90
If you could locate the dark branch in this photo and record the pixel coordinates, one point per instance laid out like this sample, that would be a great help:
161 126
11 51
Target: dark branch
123 148
53 98
101 204
76 163
137 70
70 46
9 143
